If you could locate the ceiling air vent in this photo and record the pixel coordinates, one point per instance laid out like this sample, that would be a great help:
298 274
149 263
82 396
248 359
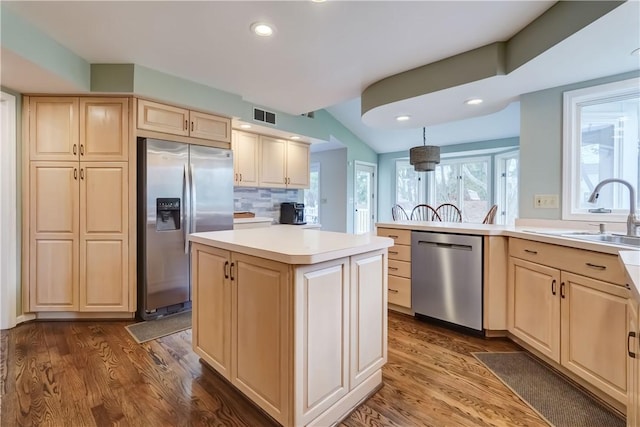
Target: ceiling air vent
264 116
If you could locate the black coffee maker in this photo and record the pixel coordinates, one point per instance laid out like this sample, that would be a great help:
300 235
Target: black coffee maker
292 213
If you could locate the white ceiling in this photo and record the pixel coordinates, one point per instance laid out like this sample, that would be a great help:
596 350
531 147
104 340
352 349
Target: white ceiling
323 55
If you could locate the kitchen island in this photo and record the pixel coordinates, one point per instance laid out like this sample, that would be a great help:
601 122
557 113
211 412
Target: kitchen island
296 319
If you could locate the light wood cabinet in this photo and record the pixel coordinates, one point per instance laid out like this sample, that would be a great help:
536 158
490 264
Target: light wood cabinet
633 365
296 340
399 289
246 151
284 164
78 205
574 320
157 117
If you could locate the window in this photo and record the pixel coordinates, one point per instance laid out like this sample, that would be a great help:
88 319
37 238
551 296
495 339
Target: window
312 195
507 187
410 186
465 183
600 141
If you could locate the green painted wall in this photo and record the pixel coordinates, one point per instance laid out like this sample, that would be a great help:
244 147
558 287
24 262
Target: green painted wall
33 45
541 145
387 168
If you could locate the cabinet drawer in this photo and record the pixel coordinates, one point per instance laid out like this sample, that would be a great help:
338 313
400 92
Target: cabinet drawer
400 252
400 268
400 237
400 291
587 263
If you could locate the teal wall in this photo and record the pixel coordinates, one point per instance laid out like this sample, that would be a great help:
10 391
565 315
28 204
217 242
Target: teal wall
541 145
387 167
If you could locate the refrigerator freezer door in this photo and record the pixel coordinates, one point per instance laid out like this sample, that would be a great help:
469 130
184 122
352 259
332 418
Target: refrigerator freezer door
212 189
167 264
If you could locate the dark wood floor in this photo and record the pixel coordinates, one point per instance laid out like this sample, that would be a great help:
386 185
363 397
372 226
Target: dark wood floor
95 374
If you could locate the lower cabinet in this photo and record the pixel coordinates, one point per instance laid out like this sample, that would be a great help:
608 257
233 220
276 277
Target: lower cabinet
633 366
296 340
399 268
576 321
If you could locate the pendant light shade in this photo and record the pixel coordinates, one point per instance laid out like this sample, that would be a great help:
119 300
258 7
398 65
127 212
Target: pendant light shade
424 157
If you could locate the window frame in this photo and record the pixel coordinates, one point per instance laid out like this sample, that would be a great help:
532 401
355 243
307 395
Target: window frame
571 142
422 186
314 167
500 187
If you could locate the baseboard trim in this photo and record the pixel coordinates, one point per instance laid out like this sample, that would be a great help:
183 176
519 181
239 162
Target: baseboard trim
65 315
27 317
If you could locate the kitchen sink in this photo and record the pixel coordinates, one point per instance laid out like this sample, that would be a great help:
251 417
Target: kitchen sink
607 238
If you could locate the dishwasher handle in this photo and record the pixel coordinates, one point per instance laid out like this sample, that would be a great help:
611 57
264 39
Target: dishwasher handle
446 245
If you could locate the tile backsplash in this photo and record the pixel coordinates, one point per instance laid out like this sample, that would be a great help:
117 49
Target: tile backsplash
262 201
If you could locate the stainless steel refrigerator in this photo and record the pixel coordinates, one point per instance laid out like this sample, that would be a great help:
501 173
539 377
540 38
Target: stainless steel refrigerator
182 189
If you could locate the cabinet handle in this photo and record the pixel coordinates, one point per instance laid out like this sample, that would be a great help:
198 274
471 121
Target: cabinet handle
191 126
392 236
529 251
231 270
75 149
596 266
82 149
631 335
553 287
393 252
562 289
240 177
226 273
393 268
81 173
393 291
75 173
186 124
235 177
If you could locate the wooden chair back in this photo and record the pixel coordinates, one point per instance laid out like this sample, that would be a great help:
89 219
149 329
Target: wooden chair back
449 212
490 218
398 213
424 212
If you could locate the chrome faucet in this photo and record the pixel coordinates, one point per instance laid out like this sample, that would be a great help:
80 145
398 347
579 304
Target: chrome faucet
633 220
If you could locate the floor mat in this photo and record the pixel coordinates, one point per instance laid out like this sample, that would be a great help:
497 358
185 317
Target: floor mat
553 397
152 329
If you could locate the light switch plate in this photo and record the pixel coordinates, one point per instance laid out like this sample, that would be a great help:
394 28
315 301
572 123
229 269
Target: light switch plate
546 201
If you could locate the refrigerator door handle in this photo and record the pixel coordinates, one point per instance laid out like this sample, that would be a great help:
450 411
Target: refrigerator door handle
186 199
193 199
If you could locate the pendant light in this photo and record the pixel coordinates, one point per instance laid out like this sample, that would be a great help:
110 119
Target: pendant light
424 157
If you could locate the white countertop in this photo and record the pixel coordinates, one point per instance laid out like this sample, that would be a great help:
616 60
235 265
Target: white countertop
292 244
250 220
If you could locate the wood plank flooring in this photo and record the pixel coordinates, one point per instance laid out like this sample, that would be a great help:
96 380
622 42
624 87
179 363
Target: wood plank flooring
95 374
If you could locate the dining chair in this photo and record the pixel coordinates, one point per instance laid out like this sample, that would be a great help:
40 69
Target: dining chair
449 212
490 218
398 213
424 212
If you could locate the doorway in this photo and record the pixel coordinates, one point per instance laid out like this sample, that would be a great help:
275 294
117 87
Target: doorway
365 197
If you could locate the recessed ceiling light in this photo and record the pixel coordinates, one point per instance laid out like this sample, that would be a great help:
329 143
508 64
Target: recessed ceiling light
261 29
403 118
635 51
318 1
294 137
473 101
245 126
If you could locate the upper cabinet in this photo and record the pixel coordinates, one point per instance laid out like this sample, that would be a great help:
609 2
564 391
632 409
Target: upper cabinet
269 162
156 117
54 124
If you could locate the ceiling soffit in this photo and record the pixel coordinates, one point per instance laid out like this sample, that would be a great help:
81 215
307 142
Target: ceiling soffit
556 24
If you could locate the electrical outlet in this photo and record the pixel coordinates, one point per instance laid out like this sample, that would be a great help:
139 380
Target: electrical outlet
546 201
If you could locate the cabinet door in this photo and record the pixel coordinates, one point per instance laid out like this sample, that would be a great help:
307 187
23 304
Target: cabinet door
104 245
594 333
53 229
211 288
208 126
245 159
297 164
53 128
162 118
104 129
321 337
534 306
272 162
633 382
261 315
368 315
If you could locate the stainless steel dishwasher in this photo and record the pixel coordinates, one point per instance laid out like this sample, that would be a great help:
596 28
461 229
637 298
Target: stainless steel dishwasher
446 278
